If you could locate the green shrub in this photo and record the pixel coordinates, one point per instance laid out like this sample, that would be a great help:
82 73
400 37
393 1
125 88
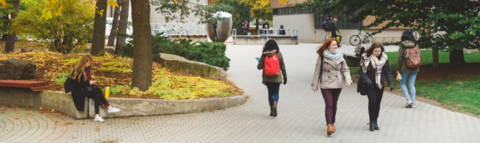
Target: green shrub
202 51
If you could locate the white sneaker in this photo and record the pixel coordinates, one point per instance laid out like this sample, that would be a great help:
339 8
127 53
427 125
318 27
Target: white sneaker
113 110
413 105
408 104
99 119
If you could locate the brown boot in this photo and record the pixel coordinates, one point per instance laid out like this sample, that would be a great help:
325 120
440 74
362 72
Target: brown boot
271 110
274 109
333 126
329 129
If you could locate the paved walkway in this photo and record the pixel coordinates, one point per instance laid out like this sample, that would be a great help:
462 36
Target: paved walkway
301 115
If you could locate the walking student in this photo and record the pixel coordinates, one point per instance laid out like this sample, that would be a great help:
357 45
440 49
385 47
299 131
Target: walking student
83 86
374 70
328 69
410 74
271 62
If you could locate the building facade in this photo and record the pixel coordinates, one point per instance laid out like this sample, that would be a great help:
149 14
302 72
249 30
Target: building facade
310 29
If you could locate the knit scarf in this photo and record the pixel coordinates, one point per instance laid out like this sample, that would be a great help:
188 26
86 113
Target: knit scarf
332 55
87 74
378 64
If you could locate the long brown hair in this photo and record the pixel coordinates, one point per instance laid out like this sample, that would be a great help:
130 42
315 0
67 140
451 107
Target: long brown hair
80 68
325 46
374 45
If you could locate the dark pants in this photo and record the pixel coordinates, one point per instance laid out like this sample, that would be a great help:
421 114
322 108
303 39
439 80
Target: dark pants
334 34
273 89
97 95
331 97
374 98
245 31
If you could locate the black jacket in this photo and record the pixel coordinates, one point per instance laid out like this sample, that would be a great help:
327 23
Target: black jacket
79 92
370 75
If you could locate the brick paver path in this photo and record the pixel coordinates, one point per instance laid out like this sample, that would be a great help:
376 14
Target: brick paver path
301 115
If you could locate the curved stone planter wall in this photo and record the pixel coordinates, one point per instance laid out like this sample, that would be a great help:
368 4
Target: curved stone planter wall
62 102
192 67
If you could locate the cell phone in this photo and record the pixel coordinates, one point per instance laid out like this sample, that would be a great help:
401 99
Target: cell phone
258 59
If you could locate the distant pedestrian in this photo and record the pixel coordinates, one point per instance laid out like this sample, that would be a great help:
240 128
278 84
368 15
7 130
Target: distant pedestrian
266 26
330 64
281 30
245 27
84 86
410 74
271 62
328 26
335 28
374 69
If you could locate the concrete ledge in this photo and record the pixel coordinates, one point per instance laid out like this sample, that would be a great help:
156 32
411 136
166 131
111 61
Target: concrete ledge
62 102
192 67
352 60
261 40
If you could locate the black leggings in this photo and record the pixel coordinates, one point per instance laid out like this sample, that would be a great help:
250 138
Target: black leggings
374 98
97 95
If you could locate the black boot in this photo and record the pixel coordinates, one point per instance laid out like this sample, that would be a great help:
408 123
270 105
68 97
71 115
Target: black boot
274 109
372 126
271 110
375 125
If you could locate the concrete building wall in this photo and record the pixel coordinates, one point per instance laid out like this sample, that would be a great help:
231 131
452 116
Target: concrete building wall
302 22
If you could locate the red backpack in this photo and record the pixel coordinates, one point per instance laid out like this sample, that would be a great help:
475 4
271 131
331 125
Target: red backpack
271 66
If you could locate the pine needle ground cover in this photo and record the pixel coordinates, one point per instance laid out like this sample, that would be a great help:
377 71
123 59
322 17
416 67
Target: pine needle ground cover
116 72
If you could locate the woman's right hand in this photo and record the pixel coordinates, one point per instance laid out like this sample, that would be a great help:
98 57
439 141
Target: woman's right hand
314 90
398 72
93 82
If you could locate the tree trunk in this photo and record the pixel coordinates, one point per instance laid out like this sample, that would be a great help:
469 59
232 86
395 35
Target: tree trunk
457 57
10 44
142 41
98 40
256 25
116 14
435 56
122 26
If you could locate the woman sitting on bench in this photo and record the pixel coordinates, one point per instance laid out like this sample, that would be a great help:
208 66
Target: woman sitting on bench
84 86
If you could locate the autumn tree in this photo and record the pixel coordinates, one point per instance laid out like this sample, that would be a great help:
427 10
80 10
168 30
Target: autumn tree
116 14
61 24
261 9
122 26
142 55
8 8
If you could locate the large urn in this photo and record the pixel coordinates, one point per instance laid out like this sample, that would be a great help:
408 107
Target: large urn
223 27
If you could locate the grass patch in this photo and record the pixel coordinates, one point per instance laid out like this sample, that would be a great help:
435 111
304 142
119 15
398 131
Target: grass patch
461 93
427 58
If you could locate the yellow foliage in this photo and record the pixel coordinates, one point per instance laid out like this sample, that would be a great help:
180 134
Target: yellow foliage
284 2
113 3
3 4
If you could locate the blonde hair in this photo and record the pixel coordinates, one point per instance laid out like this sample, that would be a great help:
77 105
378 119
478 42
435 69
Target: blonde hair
80 68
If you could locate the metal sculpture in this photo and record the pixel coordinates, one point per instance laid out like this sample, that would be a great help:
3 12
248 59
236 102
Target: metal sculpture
220 31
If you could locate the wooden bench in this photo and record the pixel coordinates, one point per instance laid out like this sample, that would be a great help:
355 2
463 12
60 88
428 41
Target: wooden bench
33 85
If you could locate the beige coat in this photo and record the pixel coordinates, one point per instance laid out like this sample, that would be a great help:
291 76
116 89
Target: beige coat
331 76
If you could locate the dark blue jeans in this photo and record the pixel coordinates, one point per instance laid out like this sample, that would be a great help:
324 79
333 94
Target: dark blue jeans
273 89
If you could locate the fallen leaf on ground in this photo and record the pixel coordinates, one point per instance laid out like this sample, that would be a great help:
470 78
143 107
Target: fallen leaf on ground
69 122
125 117
53 110
16 118
82 123
40 108
56 121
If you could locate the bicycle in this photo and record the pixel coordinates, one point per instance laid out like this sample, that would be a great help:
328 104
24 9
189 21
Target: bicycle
357 39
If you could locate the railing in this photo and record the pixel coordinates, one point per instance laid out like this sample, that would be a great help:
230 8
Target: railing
267 33
181 28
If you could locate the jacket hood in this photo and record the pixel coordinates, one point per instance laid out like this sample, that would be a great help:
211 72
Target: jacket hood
408 44
270 53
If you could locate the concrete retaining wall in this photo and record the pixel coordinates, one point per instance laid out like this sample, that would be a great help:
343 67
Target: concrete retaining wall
62 102
192 67
261 40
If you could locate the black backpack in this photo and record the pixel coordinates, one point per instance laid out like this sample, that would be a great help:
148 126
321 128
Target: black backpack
328 25
68 84
361 86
